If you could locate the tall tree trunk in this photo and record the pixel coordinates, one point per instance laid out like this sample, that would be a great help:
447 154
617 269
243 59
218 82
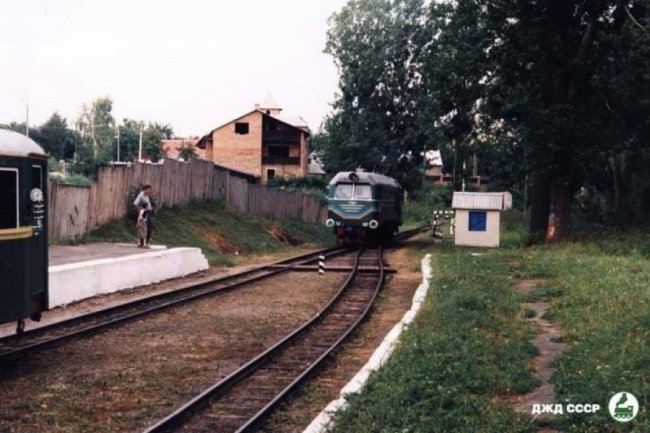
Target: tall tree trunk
559 218
457 174
539 196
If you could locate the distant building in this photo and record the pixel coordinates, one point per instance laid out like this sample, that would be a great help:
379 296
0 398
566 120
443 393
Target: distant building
434 173
314 166
262 142
433 160
173 147
478 218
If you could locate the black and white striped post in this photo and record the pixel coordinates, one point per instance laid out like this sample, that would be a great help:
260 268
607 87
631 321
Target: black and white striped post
321 265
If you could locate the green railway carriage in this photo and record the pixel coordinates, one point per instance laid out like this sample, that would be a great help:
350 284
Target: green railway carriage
23 229
364 206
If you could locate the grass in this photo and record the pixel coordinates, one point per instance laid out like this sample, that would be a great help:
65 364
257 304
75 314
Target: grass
468 345
599 291
221 232
471 345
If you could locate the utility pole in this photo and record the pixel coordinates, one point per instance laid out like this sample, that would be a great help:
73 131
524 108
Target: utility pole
27 119
118 143
140 145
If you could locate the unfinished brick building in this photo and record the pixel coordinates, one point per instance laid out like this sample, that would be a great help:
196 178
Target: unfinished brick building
263 142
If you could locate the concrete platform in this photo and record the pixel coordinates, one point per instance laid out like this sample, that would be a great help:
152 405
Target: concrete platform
78 272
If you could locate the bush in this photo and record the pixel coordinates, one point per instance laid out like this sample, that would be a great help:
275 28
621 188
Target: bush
71 179
419 209
309 185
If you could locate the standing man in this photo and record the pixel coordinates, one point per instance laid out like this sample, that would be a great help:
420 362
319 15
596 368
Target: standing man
143 202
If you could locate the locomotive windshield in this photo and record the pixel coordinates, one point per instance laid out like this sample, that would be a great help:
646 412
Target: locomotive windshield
346 191
343 191
8 199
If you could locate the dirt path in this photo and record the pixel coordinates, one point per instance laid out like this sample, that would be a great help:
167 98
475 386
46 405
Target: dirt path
549 349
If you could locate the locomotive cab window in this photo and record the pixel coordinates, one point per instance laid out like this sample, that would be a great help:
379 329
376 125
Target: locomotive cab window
9 217
362 192
343 190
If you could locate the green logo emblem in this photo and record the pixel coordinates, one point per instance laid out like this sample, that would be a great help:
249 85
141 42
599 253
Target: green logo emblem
623 406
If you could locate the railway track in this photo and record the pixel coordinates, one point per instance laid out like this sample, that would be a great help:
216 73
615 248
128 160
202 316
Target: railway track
241 401
14 346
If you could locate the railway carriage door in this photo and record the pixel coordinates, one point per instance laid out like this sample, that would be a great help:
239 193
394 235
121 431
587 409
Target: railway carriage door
10 260
9 209
37 211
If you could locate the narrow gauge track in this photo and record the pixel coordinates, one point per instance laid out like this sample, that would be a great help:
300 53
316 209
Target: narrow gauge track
17 345
243 399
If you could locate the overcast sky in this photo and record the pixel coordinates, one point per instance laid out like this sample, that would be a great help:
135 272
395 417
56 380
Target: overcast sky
190 63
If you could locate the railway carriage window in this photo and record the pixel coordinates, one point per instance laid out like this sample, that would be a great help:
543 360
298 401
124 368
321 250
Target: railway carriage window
8 199
362 192
343 191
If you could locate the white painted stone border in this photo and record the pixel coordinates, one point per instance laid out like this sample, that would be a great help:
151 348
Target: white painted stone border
322 422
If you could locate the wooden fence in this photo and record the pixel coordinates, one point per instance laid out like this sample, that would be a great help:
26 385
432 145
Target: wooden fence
76 210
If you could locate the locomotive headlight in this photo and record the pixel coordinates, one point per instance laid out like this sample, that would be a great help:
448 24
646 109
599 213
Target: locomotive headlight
36 195
373 224
330 222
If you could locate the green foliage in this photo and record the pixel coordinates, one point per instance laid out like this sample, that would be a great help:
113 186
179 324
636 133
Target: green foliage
373 125
96 125
218 230
310 185
71 179
57 139
514 230
419 209
549 93
187 152
467 346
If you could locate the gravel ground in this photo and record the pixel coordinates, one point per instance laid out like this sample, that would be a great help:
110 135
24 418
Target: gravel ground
393 301
122 380
109 300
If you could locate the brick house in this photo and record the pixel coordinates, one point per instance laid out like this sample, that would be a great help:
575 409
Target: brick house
263 142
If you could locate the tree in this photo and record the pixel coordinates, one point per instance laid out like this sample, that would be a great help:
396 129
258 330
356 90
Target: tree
130 139
374 121
187 151
454 65
568 83
57 139
152 142
96 125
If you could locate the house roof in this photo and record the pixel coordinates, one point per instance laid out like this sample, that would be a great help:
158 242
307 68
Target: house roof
477 200
238 171
15 144
268 104
296 121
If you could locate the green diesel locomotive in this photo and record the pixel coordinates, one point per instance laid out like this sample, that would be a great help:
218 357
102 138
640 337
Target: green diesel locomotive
364 206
